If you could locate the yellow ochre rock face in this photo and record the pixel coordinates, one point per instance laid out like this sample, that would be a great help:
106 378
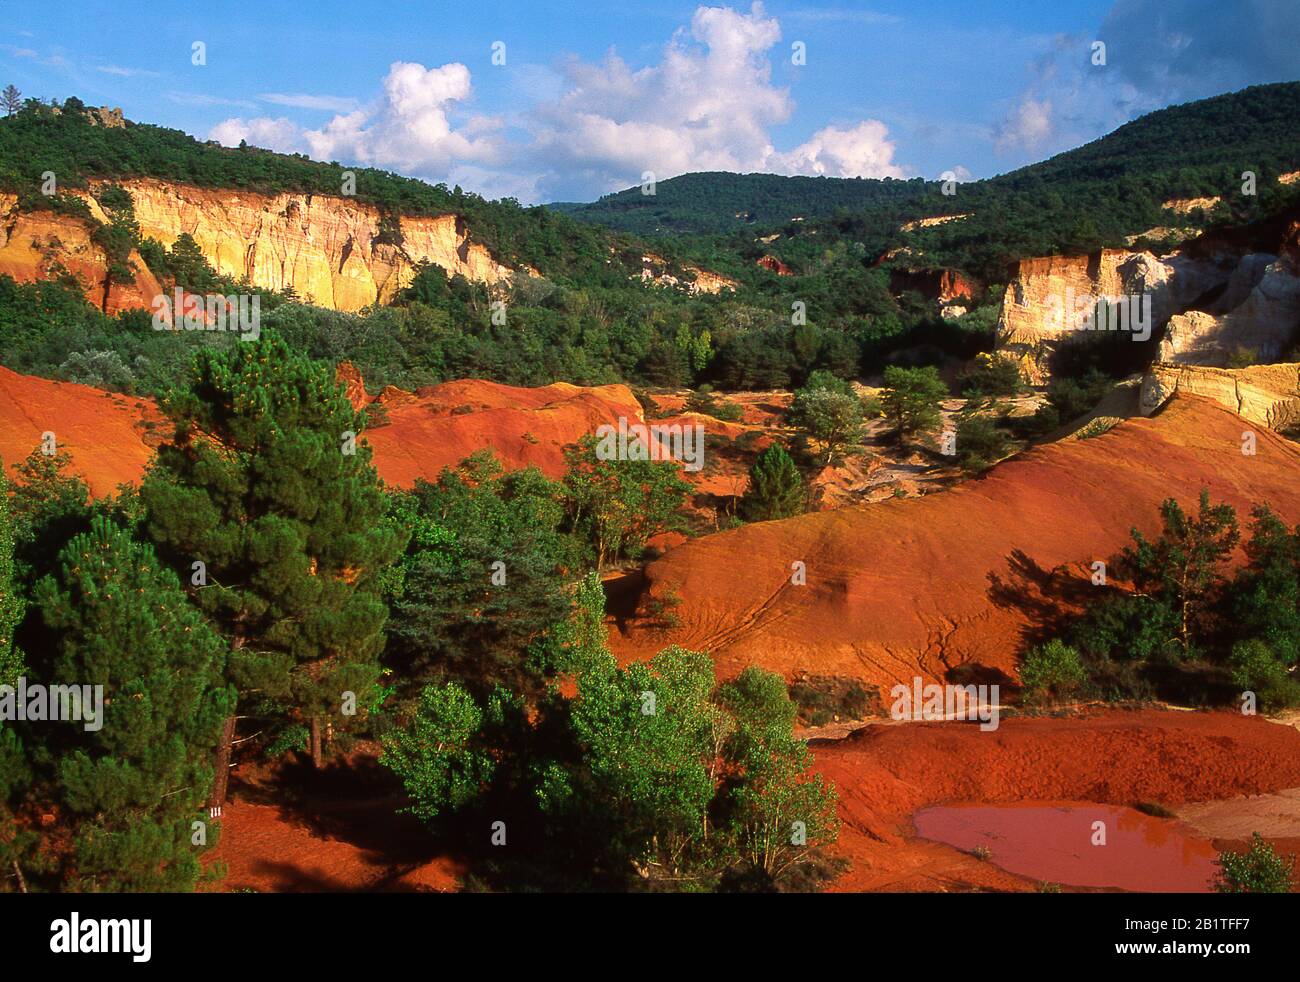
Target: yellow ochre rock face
40 245
322 247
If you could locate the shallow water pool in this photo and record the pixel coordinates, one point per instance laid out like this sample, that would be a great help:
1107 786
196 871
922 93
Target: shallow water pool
1053 842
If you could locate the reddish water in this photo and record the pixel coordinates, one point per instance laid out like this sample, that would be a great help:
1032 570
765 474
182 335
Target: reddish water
1054 842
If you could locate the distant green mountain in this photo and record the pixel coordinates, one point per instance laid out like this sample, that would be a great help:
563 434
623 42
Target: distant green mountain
1094 195
717 201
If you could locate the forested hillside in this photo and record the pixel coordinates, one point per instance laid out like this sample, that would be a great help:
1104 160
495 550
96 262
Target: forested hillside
1077 201
590 317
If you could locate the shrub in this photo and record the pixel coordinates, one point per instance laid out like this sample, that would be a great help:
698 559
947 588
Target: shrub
1258 870
991 375
1053 668
980 443
1256 668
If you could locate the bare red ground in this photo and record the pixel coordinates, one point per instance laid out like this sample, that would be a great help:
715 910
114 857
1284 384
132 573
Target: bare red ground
441 425
339 831
436 427
344 833
918 586
107 435
884 774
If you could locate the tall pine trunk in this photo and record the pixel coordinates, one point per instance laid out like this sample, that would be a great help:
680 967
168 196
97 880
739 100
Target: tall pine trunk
221 776
315 742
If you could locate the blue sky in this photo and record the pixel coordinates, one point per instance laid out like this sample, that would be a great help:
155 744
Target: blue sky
592 95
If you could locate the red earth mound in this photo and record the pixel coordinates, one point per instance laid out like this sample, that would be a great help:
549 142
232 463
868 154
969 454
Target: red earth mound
885 773
920 586
441 425
110 437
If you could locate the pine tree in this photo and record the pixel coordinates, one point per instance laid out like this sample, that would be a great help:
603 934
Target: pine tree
134 783
14 773
11 607
776 489
266 484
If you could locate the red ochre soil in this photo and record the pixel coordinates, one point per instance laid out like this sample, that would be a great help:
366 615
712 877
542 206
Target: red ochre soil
441 425
884 774
922 586
339 830
111 440
110 437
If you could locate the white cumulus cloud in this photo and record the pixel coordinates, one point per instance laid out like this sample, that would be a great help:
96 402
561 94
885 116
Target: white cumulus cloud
409 129
864 150
708 103
274 134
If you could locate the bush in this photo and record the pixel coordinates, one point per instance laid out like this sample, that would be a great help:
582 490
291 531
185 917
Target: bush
980 443
706 404
1053 669
1256 668
1072 398
991 375
1258 870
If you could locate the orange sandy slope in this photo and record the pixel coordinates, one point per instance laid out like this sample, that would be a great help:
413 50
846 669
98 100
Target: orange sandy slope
441 425
106 434
920 586
428 430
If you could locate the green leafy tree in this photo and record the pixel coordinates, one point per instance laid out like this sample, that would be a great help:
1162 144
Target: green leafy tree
1265 594
11 605
1258 870
486 571
49 507
776 488
264 484
779 811
647 734
827 409
617 505
134 783
912 398
15 775
441 758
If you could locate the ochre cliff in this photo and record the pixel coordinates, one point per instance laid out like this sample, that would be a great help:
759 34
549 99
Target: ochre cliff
37 245
324 248
1268 395
1205 306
